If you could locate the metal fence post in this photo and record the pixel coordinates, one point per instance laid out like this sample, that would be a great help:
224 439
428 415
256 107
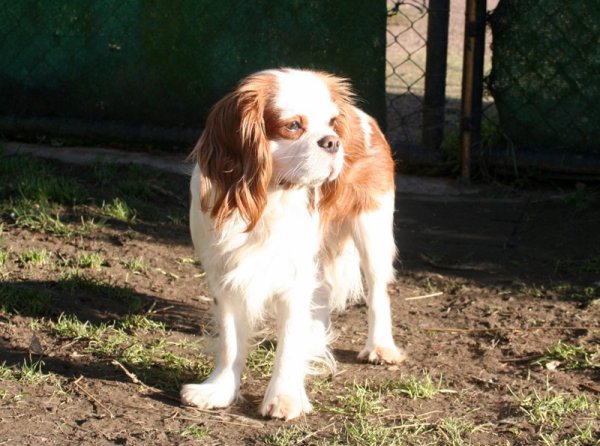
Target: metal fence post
472 83
435 74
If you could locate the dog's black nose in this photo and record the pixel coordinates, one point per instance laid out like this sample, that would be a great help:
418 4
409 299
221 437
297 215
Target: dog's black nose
330 143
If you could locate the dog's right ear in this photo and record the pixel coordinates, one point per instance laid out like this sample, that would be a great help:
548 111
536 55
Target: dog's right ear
234 155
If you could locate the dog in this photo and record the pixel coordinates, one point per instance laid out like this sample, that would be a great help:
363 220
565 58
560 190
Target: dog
292 196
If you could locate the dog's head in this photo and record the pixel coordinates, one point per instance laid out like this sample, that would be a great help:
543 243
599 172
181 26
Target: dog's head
281 127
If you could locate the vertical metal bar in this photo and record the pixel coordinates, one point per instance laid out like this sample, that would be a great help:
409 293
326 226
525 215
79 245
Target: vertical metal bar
435 74
472 83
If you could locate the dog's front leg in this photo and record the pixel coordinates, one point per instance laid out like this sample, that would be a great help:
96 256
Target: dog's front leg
222 387
286 395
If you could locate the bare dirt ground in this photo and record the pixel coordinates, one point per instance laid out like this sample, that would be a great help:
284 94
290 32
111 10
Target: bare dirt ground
103 314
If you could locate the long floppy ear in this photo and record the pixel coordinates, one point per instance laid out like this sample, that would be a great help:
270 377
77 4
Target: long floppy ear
234 156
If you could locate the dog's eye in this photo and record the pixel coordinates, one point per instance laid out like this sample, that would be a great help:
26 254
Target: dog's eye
293 126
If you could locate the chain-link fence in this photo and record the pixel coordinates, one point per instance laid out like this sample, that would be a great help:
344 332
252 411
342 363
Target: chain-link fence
423 76
541 102
545 77
141 70
87 68
405 70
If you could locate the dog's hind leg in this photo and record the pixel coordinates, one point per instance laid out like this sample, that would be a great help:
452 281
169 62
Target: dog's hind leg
374 237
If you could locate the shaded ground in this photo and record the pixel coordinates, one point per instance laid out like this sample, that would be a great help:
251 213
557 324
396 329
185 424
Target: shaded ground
103 315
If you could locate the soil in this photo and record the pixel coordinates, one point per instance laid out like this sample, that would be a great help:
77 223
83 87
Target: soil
487 282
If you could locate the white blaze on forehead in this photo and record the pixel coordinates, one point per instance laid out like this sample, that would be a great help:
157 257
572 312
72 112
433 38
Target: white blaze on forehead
304 93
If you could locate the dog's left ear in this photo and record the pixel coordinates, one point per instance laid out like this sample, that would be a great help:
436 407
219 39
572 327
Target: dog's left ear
234 154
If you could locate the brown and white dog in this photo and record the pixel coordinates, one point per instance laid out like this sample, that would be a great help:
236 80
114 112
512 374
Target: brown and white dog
292 196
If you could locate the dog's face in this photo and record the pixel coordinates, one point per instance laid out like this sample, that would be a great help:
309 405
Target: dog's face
302 123
278 128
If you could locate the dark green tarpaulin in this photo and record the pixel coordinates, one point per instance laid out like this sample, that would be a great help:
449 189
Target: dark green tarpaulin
164 63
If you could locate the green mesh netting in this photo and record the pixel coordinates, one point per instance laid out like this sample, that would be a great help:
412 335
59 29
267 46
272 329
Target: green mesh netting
165 62
545 75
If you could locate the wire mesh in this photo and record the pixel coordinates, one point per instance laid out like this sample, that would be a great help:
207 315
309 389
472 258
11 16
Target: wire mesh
89 67
545 77
405 69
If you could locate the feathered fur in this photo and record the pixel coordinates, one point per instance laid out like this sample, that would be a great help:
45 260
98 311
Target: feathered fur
292 203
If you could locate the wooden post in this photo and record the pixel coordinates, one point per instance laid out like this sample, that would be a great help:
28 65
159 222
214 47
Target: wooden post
472 84
434 101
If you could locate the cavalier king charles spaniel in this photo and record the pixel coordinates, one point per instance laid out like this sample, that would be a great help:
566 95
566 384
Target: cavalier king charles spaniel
292 206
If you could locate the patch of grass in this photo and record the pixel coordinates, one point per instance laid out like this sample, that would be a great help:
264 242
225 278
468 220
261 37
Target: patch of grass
34 257
69 326
46 218
368 432
74 281
23 299
119 210
364 430
584 295
570 356
38 217
367 398
587 265
360 399
93 260
29 372
559 418
137 265
141 322
585 436
34 196
538 292
136 187
150 358
455 431
549 408
260 359
6 373
105 172
414 388
177 219
36 181
195 431
286 435
35 324
4 254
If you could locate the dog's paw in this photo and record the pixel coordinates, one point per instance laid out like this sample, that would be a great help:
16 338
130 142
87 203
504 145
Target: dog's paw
286 407
207 395
383 355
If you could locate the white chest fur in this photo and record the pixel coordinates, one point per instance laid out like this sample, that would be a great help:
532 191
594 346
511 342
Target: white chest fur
278 254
